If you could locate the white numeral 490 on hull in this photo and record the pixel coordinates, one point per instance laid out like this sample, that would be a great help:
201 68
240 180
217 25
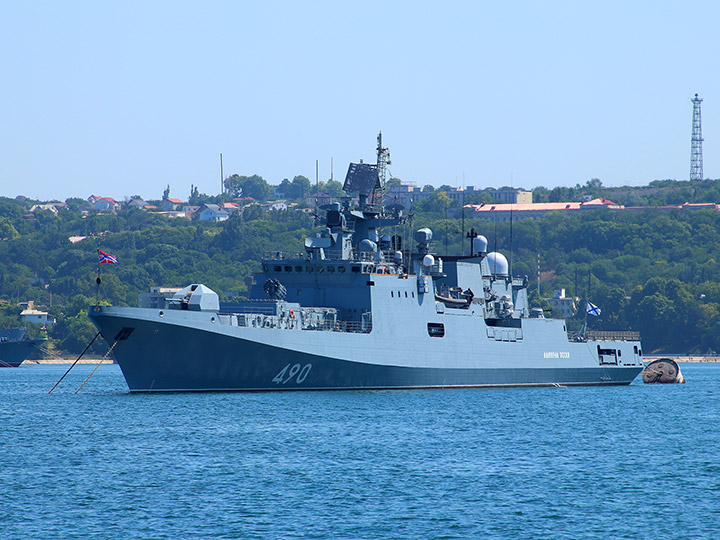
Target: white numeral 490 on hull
291 371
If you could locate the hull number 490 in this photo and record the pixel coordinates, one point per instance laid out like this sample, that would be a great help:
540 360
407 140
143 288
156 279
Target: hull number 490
292 371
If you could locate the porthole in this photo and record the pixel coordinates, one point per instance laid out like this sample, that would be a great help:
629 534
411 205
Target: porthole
161 314
436 329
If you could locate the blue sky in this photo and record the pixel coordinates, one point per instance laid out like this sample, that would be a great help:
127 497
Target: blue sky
123 99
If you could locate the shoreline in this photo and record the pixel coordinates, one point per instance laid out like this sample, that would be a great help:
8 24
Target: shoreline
61 360
697 358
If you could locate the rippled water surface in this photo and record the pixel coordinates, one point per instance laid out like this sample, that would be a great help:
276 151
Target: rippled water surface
641 461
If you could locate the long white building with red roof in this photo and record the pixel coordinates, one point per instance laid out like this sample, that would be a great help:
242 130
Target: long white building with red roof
506 212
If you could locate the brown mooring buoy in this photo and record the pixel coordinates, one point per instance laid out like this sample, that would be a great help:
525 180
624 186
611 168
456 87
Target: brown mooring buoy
662 371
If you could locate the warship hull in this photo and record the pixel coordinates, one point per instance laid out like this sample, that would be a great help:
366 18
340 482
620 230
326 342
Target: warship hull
14 353
184 351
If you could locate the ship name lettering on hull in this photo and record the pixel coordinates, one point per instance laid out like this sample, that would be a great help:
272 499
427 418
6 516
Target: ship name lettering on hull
556 355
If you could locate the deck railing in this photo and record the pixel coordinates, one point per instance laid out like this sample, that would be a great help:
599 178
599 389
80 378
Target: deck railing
604 335
258 319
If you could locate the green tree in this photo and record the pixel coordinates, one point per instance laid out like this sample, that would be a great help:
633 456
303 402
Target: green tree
248 186
7 230
301 187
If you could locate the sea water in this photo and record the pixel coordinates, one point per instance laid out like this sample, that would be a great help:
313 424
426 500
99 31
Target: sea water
638 461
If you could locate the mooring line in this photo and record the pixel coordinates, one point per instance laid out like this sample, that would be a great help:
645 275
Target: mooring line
100 362
75 362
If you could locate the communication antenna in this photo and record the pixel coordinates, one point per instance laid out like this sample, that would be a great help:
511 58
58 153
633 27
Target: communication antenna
447 226
383 160
317 190
511 226
462 229
696 158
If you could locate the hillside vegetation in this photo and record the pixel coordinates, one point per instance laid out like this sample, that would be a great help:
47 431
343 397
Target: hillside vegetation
651 271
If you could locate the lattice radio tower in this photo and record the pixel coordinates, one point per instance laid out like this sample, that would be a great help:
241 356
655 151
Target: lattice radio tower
696 160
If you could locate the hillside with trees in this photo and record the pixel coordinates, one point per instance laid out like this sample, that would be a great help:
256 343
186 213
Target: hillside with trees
651 271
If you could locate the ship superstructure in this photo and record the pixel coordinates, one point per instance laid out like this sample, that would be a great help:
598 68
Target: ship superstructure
359 310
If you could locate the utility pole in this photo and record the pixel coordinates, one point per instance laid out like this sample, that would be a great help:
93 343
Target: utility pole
222 177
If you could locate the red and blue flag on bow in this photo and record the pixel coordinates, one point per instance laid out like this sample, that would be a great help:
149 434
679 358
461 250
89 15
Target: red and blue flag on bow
106 258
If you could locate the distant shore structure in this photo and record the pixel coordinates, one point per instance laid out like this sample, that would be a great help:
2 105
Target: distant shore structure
696 159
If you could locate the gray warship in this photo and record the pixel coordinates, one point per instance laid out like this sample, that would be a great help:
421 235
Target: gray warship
15 347
358 311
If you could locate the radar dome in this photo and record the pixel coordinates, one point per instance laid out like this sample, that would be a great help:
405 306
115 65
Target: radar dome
479 244
497 263
367 245
428 260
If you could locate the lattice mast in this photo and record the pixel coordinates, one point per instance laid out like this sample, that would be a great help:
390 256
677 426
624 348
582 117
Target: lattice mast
383 160
696 159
